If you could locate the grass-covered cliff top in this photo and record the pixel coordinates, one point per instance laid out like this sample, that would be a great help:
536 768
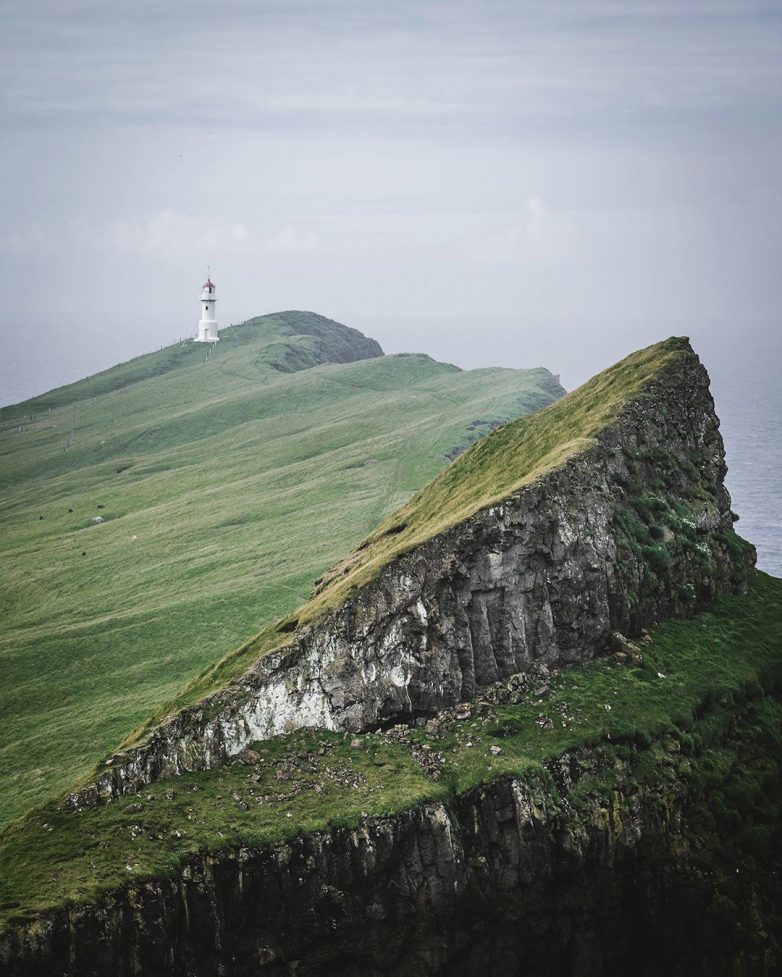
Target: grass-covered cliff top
227 479
500 464
694 679
509 458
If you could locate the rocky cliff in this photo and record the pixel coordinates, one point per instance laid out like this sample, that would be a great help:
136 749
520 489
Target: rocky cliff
593 867
633 527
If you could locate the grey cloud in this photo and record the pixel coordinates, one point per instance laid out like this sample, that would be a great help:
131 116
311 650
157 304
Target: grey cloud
476 179
338 66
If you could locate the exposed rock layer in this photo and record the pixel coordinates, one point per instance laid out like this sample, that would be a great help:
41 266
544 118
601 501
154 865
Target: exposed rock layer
517 877
547 575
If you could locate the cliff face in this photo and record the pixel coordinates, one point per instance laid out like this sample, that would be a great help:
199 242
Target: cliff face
632 529
544 875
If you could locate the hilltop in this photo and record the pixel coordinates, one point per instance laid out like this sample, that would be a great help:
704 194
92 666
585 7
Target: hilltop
286 342
228 480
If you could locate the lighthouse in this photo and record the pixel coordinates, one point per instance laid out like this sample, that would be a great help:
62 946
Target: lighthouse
207 327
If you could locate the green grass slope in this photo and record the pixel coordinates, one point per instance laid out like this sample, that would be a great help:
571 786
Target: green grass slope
228 479
697 679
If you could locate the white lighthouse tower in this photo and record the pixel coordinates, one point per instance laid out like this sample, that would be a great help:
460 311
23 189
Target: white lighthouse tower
207 327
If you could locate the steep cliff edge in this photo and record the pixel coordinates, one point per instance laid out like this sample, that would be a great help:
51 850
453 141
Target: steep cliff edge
549 540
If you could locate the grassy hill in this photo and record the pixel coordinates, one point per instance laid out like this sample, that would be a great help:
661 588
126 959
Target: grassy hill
695 707
228 479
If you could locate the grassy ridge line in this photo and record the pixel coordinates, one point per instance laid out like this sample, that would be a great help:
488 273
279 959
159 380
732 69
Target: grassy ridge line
227 487
492 469
164 399
696 677
318 340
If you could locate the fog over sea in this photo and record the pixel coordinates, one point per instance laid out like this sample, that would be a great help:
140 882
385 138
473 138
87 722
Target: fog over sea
745 375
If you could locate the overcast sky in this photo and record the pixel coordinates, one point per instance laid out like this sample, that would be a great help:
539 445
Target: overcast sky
494 182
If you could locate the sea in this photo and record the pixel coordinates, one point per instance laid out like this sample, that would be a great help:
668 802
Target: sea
748 398
746 382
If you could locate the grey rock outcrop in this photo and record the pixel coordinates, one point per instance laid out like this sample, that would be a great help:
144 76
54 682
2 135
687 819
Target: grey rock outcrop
634 528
